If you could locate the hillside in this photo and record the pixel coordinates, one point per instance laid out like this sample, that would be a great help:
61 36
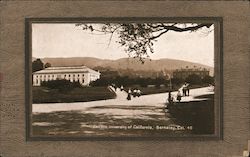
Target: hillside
125 63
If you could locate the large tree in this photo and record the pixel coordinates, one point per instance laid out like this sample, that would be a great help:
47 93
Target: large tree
139 38
37 65
47 65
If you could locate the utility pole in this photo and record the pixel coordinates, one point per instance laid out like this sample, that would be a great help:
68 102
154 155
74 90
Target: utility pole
170 82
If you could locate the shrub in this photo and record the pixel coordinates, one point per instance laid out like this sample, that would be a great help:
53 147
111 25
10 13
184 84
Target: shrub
208 80
61 85
194 79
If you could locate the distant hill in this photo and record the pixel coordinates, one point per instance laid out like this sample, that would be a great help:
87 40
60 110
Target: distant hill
126 63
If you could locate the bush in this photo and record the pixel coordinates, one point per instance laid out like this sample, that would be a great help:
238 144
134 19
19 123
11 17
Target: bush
101 82
177 81
194 79
208 80
61 85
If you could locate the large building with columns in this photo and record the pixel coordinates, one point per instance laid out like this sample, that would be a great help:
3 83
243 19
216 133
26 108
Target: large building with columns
81 74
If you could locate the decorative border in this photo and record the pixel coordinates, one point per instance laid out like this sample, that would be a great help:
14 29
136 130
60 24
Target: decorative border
218 51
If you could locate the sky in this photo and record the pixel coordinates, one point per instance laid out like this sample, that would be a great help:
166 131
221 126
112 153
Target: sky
66 40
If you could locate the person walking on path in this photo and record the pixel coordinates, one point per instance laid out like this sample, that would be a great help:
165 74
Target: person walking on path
170 98
129 94
188 89
138 92
134 92
121 87
179 96
183 91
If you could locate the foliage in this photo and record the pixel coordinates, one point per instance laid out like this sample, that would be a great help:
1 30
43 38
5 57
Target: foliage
139 38
128 81
62 85
45 95
37 65
194 79
47 65
208 80
177 81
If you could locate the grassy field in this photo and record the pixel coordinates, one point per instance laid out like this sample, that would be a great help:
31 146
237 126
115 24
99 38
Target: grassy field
46 95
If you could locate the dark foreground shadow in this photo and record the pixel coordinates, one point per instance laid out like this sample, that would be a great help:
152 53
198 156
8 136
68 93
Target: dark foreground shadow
197 114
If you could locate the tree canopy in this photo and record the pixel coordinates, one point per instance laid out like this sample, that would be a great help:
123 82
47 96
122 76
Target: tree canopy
37 65
47 65
138 38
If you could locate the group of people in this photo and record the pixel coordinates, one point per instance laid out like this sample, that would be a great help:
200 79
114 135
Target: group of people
185 89
136 93
115 87
185 92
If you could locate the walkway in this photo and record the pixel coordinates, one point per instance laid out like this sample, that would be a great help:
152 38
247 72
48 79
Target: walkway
153 100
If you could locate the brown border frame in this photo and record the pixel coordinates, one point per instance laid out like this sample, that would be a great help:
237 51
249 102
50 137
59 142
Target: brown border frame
218 70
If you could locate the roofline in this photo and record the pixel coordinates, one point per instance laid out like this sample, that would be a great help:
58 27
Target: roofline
51 71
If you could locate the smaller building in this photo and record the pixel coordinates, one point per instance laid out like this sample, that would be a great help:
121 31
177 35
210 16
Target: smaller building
183 73
81 74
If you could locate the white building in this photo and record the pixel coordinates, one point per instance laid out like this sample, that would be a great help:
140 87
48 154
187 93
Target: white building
82 74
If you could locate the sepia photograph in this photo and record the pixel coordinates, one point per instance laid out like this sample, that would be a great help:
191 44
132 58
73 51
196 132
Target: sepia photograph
122 79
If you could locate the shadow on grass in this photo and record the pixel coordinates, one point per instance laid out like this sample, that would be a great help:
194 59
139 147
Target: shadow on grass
76 123
198 114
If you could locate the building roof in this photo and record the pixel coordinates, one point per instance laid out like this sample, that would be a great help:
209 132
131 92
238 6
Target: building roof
72 69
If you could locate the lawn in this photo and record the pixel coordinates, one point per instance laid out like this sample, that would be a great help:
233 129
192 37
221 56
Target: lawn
46 95
199 114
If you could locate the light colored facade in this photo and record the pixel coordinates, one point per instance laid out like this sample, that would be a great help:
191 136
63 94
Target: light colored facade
81 74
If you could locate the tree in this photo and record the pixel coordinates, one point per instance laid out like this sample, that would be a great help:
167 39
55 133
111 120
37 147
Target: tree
138 38
194 79
61 85
37 65
208 80
47 65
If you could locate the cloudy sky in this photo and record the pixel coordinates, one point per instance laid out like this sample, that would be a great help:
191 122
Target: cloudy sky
67 40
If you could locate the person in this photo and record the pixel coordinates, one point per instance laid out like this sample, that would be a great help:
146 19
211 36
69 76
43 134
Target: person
138 92
188 90
179 96
134 92
170 98
121 87
129 94
183 91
